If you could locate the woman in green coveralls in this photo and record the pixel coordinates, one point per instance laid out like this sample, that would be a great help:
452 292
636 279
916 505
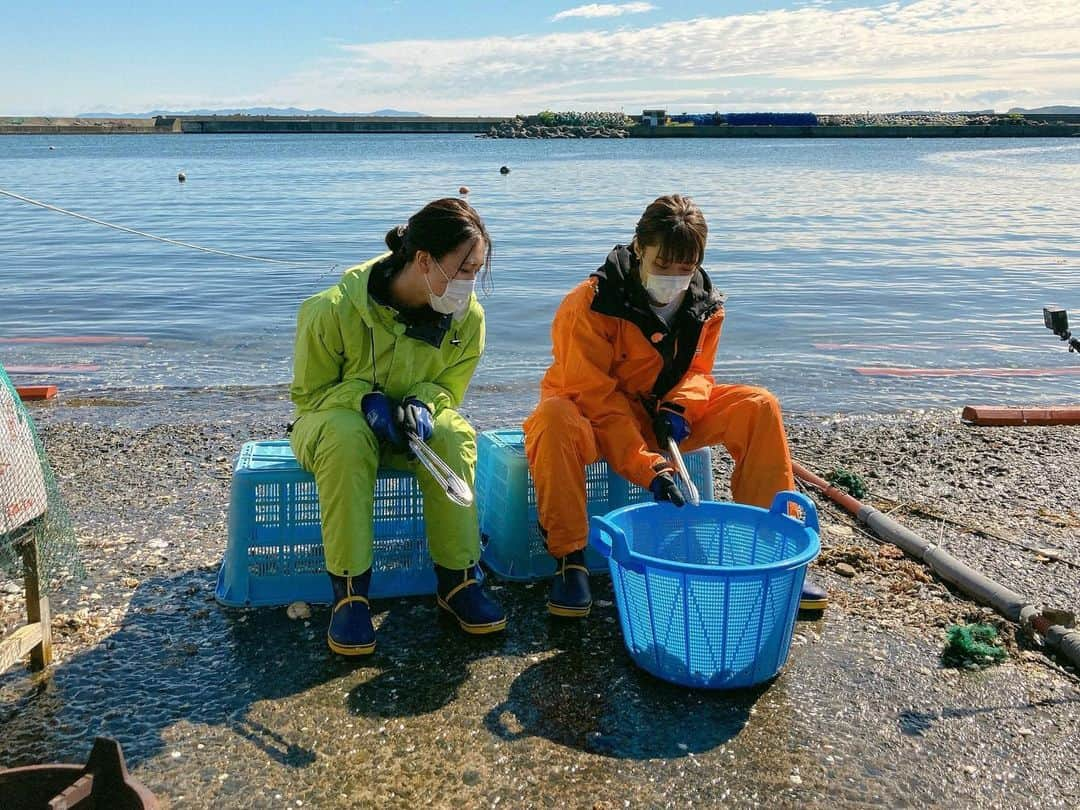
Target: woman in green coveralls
388 349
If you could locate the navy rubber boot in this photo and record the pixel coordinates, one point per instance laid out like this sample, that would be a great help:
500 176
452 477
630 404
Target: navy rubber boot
350 631
460 594
813 596
570 597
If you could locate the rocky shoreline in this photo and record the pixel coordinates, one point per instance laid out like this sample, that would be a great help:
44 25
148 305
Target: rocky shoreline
213 705
533 128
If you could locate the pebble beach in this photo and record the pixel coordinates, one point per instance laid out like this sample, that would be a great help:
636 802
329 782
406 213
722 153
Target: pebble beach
218 707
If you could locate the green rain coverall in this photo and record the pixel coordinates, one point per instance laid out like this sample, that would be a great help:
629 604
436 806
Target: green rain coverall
348 345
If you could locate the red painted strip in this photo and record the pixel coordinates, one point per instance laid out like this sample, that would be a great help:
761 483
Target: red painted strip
885 371
989 415
81 340
31 393
71 368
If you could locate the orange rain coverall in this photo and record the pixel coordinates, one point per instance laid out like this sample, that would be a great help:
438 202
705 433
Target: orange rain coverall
615 363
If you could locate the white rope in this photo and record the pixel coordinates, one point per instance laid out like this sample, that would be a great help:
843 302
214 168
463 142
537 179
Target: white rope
59 210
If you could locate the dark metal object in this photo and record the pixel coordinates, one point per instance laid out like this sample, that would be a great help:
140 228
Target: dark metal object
1056 319
102 784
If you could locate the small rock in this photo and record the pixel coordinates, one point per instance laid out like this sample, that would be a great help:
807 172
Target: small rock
839 530
298 610
471 778
844 570
795 779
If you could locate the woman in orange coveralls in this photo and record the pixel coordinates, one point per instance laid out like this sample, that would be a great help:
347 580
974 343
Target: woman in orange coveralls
634 346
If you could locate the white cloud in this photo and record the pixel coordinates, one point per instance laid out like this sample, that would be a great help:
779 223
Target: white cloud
604 10
922 54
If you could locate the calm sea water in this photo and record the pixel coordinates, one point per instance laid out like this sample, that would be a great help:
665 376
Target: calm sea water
834 254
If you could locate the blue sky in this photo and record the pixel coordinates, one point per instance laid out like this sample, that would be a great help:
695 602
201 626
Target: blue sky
62 58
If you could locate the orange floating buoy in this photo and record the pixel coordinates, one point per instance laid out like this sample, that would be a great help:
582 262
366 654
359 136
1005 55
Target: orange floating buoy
36 393
989 416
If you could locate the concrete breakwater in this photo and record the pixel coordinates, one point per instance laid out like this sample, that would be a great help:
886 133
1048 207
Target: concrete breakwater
565 126
360 125
41 125
1021 130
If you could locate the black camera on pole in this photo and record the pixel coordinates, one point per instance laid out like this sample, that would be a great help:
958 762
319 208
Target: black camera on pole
1056 320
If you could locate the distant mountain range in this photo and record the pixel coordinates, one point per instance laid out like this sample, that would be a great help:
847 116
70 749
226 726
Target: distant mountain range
1061 109
247 111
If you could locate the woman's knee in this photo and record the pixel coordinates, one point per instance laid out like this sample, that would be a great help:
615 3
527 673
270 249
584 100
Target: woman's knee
345 433
766 405
558 413
452 430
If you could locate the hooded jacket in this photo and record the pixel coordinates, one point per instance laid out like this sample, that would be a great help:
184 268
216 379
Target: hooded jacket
348 344
619 362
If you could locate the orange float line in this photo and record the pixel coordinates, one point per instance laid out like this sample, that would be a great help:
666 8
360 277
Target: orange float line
860 346
34 393
81 340
886 371
990 416
70 368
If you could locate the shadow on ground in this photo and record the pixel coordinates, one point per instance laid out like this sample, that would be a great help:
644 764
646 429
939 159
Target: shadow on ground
178 656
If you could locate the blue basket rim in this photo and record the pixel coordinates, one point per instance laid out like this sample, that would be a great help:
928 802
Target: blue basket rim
813 548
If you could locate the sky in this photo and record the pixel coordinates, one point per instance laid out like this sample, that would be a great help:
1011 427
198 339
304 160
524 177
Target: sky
441 57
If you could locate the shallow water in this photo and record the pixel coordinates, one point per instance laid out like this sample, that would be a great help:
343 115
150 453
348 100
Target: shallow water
834 254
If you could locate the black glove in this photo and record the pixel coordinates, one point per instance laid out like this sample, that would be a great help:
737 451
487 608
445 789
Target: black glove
664 488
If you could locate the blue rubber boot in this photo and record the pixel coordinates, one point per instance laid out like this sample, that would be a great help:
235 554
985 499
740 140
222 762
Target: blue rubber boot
570 597
460 594
813 597
350 631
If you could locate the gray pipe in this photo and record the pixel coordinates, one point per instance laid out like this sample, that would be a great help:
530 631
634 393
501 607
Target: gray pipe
1005 601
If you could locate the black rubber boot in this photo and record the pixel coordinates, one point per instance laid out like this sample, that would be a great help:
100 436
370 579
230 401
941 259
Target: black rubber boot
570 596
350 631
813 597
460 594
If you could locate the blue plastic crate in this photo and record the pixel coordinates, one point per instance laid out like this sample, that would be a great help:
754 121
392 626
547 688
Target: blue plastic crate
707 596
275 552
512 546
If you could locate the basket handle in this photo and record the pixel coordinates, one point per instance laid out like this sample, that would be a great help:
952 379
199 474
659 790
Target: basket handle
618 548
810 516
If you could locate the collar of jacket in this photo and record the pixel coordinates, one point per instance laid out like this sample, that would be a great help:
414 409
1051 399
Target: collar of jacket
621 294
362 285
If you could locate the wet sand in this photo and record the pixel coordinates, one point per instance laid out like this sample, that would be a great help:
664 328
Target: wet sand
247 708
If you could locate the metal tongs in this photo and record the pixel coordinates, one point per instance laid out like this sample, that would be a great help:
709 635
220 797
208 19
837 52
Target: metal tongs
456 489
687 484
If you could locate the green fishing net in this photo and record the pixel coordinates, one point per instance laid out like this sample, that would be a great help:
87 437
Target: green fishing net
31 508
848 481
972 646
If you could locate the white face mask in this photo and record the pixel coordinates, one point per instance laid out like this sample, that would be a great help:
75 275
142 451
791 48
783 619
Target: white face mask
455 300
665 289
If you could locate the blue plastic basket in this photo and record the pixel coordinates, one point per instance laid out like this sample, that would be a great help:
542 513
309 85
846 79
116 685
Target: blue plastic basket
707 596
512 545
275 553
